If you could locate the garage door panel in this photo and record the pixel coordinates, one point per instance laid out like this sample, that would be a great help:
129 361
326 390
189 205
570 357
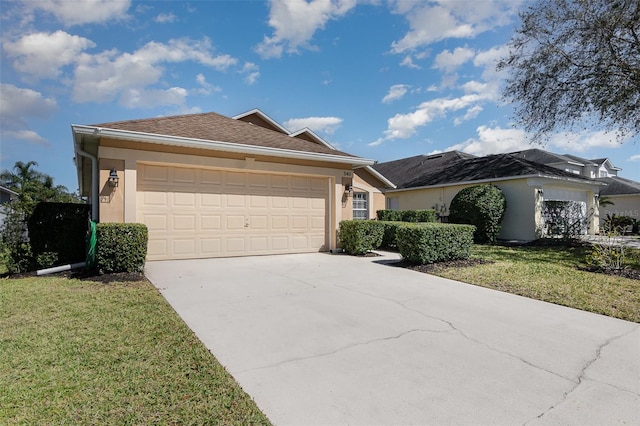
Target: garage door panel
210 222
211 200
236 200
195 213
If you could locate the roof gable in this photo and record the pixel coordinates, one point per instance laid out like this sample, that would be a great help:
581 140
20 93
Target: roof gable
218 128
259 118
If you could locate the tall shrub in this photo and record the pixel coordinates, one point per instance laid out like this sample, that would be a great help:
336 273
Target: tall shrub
482 206
434 242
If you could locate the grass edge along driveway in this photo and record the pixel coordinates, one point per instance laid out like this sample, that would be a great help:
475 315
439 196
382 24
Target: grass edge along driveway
81 352
552 274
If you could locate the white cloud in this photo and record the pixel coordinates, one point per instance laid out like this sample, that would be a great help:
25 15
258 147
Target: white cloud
497 140
634 158
18 102
450 61
80 12
470 114
17 106
110 74
206 88
164 18
25 135
326 125
438 20
143 98
583 141
397 91
407 61
295 22
403 126
252 72
493 140
42 55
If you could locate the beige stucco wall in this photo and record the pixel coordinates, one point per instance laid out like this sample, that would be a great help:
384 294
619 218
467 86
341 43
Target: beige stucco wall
363 181
519 221
128 160
111 198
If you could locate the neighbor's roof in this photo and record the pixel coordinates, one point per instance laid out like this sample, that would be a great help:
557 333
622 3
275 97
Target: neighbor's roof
405 170
7 190
546 157
215 131
619 186
492 167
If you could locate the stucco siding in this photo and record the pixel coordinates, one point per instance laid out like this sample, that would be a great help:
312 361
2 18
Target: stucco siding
624 205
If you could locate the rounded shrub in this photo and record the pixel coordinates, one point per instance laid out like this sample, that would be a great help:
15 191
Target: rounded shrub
482 206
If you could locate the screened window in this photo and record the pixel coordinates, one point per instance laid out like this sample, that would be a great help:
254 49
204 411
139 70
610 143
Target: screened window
360 205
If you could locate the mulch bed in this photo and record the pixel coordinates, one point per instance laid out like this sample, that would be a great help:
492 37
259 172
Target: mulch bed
84 275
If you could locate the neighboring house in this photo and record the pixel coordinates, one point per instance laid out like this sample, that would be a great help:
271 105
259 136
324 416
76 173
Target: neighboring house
207 185
598 168
624 193
6 195
432 181
625 196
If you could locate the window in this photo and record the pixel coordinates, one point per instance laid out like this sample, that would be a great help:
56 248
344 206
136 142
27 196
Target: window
360 205
603 173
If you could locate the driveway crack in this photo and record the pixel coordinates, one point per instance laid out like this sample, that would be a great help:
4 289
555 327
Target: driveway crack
461 332
582 376
341 349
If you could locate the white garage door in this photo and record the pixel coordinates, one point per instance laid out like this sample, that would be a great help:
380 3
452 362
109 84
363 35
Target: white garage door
198 213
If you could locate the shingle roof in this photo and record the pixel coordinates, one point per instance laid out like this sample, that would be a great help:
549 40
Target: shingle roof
542 156
460 170
619 186
215 127
405 170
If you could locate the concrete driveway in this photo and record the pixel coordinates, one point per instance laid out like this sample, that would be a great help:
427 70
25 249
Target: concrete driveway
333 339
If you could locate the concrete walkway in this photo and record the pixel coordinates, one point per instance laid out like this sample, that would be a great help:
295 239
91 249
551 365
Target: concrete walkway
333 339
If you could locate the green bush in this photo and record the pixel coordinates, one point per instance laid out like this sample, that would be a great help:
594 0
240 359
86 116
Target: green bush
389 215
426 215
482 206
360 236
121 247
406 215
389 235
434 242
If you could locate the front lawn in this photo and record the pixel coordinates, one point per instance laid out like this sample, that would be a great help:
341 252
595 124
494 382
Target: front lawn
82 352
551 274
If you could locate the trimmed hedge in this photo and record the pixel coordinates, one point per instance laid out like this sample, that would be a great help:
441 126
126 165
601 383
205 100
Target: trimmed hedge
389 235
360 236
434 242
121 247
406 215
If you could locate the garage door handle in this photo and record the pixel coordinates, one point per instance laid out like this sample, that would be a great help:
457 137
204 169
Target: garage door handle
246 223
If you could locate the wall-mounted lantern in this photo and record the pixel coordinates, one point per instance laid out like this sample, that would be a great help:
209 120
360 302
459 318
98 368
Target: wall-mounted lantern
113 178
348 189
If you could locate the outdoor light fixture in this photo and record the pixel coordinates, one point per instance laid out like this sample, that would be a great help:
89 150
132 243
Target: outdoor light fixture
113 178
348 188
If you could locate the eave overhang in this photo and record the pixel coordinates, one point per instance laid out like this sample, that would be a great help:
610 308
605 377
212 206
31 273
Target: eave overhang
102 132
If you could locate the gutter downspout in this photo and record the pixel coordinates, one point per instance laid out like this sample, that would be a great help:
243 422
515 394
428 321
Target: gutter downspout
94 181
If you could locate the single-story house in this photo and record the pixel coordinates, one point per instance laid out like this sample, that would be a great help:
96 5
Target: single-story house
207 185
432 181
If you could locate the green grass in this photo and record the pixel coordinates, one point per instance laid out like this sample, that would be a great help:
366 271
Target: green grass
551 274
79 352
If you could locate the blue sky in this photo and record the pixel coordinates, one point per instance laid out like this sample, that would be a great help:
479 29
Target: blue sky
378 79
